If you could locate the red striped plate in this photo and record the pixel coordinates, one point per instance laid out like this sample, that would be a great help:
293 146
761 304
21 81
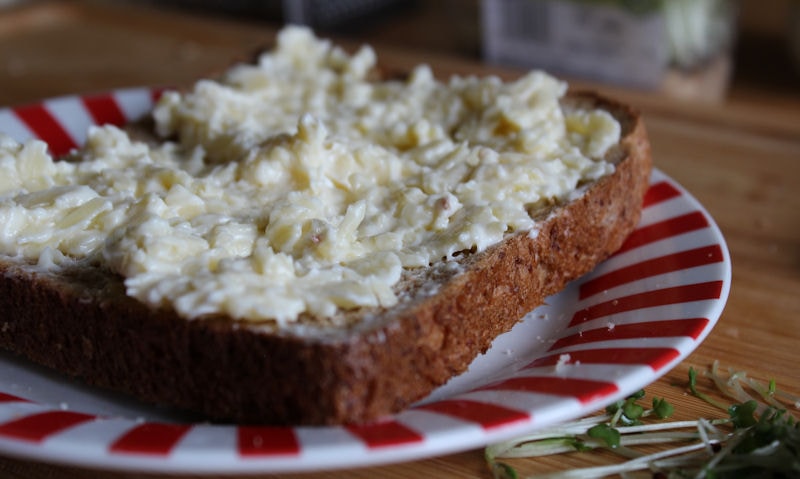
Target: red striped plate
607 335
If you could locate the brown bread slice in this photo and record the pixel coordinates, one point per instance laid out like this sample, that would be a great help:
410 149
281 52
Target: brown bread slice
81 323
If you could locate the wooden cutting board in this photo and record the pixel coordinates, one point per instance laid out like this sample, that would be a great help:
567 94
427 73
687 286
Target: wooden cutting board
740 159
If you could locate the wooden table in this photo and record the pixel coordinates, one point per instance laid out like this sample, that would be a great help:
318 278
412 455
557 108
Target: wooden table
740 159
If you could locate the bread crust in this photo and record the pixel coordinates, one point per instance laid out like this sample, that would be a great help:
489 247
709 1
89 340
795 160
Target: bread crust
82 324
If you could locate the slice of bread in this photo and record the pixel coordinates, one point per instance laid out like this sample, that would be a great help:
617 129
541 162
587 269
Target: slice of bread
80 321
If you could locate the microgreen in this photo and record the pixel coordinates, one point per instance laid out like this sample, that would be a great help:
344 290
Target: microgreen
662 408
757 436
609 435
743 414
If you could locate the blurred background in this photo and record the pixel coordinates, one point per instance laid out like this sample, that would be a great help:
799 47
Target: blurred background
695 50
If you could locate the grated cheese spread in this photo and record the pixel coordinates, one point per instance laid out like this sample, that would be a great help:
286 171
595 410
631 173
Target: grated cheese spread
299 186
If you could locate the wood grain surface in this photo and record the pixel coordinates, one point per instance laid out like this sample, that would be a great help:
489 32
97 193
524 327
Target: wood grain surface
740 158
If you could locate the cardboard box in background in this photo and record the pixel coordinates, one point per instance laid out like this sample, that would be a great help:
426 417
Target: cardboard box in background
598 41
683 46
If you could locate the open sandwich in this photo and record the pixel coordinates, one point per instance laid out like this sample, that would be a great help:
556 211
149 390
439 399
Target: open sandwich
296 242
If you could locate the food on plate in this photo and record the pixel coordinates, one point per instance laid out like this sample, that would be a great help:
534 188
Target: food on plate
296 242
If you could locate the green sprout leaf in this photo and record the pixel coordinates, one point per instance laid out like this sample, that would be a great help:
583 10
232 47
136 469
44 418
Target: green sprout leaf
743 415
637 395
772 388
605 433
662 408
632 411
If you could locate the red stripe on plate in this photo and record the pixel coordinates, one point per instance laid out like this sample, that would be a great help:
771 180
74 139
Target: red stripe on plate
4 397
267 441
645 269
155 439
489 416
46 127
664 229
659 192
660 297
584 390
104 109
38 427
385 434
691 327
656 358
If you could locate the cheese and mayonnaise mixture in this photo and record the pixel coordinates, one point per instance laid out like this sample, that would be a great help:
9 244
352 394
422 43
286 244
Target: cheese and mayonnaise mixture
298 185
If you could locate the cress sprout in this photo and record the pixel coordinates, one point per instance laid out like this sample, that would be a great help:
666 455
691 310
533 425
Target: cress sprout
759 437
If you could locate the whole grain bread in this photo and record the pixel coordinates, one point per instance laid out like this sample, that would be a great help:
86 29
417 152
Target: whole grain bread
80 321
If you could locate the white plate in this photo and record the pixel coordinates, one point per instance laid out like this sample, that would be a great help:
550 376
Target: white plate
606 336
